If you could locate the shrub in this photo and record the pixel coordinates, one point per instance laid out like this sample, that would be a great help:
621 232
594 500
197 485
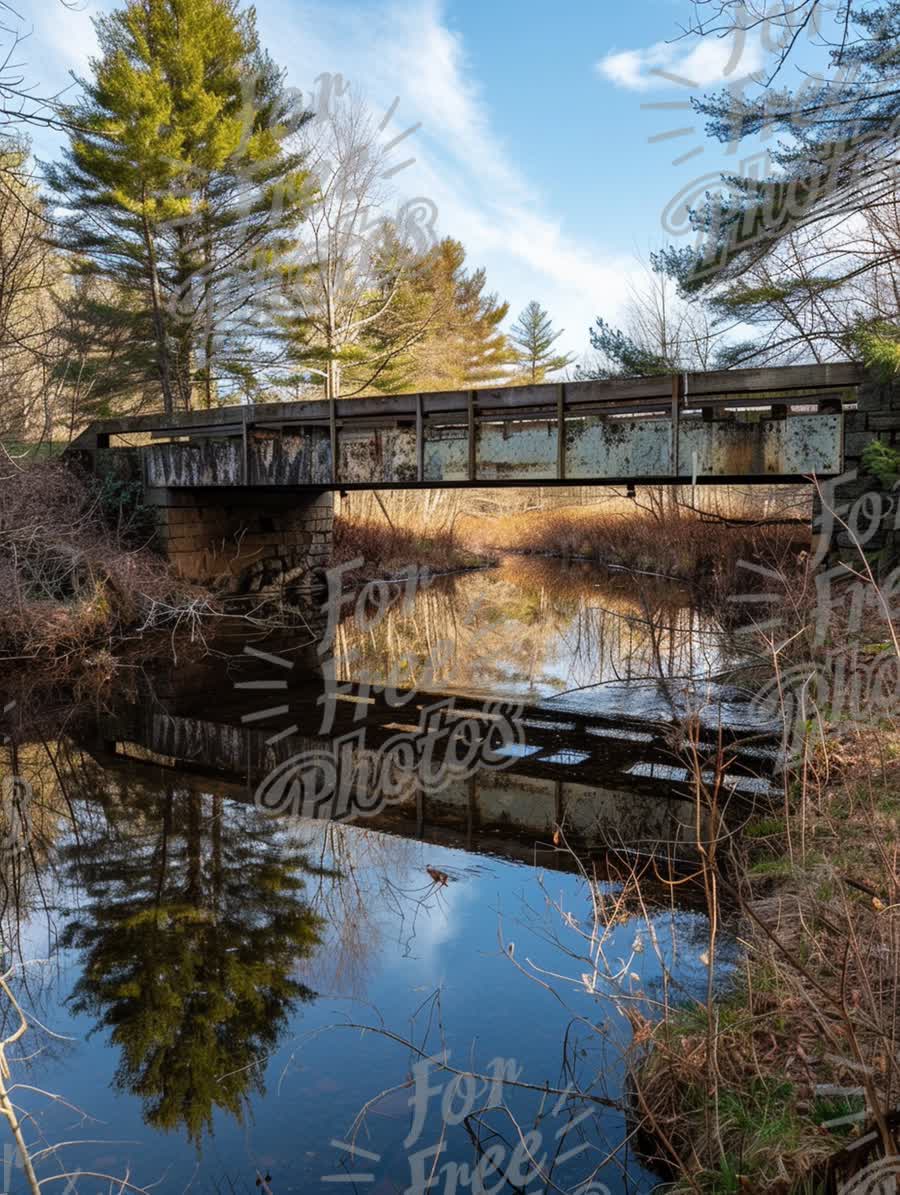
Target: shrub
68 581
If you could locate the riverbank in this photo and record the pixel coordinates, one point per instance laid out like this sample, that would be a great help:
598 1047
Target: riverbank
389 551
78 575
81 579
680 544
790 1081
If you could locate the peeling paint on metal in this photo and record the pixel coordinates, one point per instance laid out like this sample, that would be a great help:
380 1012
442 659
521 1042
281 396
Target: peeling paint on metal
379 454
521 450
618 448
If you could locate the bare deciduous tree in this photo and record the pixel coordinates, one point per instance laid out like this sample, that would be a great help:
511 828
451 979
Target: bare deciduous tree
354 260
28 314
658 332
21 102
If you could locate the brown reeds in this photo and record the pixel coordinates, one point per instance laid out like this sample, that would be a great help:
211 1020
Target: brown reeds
388 550
789 1080
680 544
70 583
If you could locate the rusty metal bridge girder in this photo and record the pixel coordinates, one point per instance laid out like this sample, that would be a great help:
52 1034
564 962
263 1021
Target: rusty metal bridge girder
707 428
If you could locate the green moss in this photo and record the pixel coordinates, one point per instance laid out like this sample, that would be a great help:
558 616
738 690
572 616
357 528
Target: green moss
771 867
764 827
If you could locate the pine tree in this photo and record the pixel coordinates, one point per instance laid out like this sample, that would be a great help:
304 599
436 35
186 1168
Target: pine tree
179 187
465 345
351 307
190 933
407 312
661 332
423 322
802 251
534 337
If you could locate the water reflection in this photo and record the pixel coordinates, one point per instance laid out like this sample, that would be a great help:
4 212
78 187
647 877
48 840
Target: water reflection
203 952
537 630
192 919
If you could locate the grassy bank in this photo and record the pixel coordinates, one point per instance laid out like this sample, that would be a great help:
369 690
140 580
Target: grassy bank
77 571
768 1087
677 543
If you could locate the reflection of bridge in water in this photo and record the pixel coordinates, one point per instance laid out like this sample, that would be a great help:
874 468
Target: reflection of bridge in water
607 780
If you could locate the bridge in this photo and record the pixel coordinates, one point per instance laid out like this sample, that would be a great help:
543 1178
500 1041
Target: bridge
245 492
608 779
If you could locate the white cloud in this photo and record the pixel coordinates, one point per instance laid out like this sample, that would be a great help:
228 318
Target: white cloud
68 32
483 197
58 39
709 61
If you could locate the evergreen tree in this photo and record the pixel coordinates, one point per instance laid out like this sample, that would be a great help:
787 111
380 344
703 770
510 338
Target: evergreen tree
407 312
534 337
661 332
194 919
433 327
177 185
787 252
107 354
465 345
621 356
364 341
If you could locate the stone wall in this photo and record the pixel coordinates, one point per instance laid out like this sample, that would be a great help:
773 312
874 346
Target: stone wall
870 511
246 541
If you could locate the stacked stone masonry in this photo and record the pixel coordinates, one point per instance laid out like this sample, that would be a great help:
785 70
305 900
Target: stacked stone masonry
246 541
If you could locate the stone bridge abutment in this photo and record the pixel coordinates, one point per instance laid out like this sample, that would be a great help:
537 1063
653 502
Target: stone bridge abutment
246 541
870 512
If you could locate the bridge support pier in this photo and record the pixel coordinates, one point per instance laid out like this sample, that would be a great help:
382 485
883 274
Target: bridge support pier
246 540
871 512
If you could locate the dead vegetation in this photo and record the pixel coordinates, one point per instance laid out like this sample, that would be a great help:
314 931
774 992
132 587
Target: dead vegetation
700 538
388 550
71 585
679 543
791 1082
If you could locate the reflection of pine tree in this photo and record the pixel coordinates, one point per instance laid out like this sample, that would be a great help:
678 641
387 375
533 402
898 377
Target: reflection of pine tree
194 918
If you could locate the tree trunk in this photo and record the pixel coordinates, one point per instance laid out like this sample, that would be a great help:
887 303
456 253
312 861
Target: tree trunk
159 326
185 273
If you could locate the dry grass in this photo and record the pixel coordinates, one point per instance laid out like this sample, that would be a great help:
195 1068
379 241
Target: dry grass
764 1090
679 543
767 1089
69 585
390 551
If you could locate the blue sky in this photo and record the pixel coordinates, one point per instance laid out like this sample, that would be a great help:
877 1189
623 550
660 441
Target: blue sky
536 144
